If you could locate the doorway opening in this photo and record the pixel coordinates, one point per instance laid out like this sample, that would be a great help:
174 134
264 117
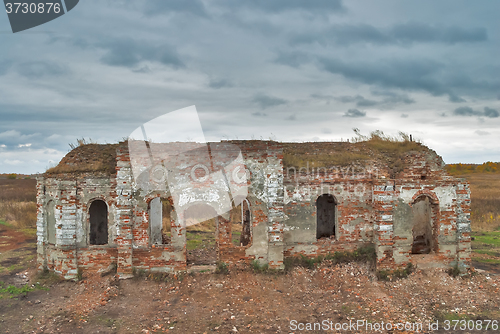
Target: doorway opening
326 206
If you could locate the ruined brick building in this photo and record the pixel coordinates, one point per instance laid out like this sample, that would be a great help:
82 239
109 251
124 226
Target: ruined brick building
316 198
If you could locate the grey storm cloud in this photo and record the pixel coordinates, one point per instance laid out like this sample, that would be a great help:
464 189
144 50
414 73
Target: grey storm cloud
411 74
358 99
277 6
354 113
393 98
129 53
259 114
219 83
14 138
468 111
291 118
489 112
293 59
455 99
400 34
162 7
266 101
39 69
364 102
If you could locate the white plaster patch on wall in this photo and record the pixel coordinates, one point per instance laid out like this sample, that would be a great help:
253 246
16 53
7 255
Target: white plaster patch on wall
349 228
288 228
445 196
407 195
275 238
385 227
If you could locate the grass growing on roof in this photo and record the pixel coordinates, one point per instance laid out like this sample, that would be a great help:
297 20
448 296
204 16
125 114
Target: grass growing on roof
390 150
87 158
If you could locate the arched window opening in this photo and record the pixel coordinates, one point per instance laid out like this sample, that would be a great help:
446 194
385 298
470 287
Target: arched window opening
51 223
422 226
160 221
325 216
240 228
98 223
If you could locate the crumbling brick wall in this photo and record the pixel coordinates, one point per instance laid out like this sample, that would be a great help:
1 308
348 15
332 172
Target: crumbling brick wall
370 207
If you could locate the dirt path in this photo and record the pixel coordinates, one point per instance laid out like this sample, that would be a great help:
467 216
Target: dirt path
246 302
242 301
17 254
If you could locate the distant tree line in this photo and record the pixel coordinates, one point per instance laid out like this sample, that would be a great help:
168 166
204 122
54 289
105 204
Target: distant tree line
487 167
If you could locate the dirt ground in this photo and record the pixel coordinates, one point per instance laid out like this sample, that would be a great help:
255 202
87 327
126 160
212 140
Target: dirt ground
243 301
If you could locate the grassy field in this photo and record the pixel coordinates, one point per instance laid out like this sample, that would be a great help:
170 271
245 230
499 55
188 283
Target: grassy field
18 203
485 216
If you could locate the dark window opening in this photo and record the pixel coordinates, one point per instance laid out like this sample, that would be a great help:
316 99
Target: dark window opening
423 177
325 216
98 223
160 221
51 223
240 227
422 226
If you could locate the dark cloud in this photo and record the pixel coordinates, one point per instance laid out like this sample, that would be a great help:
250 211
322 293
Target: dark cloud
455 99
221 83
489 112
342 35
292 59
291 118
354 113
266 101
278 6
259 114
468 111
415 75
12 139
394 98
359 100
400 34
162 7
404 115
408 74
421 32
390 98
404 73
39 69
129 53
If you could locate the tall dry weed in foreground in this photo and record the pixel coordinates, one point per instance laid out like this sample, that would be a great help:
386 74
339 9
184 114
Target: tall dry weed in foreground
19 214
18 202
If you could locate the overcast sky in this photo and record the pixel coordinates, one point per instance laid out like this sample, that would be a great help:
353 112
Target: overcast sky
289 70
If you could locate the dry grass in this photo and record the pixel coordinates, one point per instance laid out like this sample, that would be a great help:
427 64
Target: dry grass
298 160
389 150
17 202
87 158
485 201
18 190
